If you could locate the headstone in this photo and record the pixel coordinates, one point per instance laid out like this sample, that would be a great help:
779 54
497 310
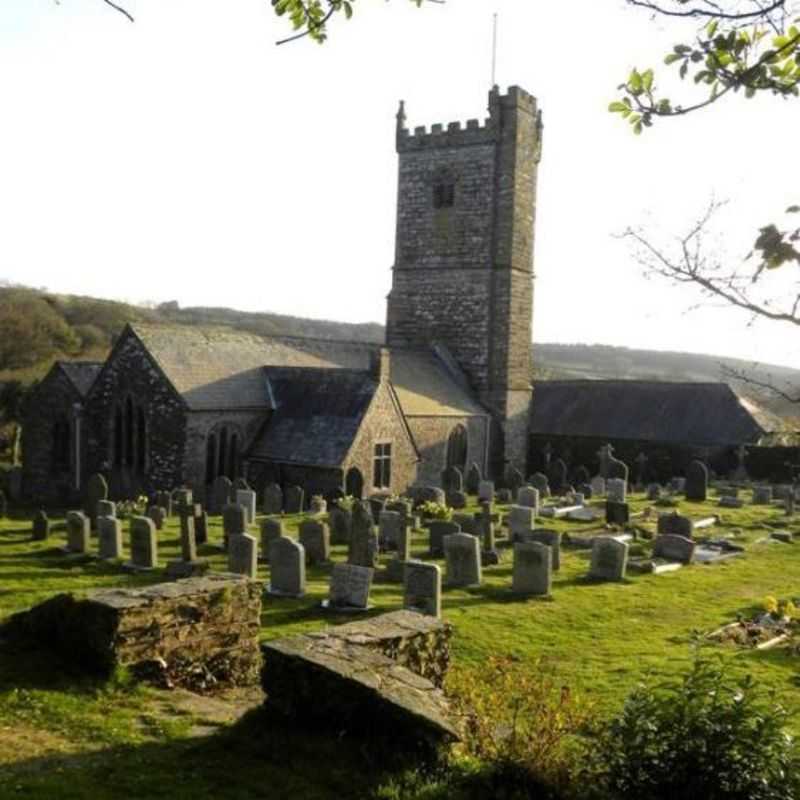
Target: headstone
533 569
674 548
422 588
316 540
41 526
466 522
609 559
788 504
273 499
762 495
730 502
293 500
598 484
247 500
271 529
339 521
188 540
287 571
520 520
513 480
164 499
389 526
528 496
550 538
457 500
201 528
3 505
144 545
452 480
363 550
426 494
616 489
678 485
486 491
376 506
438 529
159 516
96 490
617 513
241 485
182 497
675 524
653 492
317 505
221 494
504 496
78 532
234 522
350 586
243 555
696 486
473 479
485 522
463 560
109 537
558 476
106 508
539 482
582 476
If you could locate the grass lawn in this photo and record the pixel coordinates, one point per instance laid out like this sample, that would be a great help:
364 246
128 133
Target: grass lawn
66 736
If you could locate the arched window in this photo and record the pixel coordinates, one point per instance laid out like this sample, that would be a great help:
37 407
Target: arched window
233 458
354 483
457 445
223 447
61 447
444 189
129 435
223 452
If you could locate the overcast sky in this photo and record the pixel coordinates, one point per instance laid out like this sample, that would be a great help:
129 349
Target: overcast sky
185 157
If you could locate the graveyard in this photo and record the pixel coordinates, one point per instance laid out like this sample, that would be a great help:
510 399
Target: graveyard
63 728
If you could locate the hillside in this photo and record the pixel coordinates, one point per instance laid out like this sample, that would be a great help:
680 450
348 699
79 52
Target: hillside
37 327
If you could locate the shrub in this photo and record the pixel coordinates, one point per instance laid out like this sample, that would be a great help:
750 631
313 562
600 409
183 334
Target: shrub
434 510
704 736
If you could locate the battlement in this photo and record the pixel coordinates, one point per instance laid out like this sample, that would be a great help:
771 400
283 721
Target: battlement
456 134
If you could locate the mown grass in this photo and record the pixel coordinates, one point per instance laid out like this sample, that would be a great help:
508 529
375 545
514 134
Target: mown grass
63 735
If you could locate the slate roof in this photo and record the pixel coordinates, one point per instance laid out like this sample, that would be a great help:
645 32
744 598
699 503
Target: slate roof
317 414
214 368
698 413
81 374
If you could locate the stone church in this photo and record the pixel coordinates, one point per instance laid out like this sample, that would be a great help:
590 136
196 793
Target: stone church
177 406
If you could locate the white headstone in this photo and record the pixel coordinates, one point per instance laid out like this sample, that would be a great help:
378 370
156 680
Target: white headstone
287 568
247 499
243 555
533 568
462 553
423 588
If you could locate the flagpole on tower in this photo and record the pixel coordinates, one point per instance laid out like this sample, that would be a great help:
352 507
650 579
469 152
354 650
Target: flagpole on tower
494 50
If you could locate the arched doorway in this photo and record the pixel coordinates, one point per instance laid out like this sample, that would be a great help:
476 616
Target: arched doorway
457 445
354 483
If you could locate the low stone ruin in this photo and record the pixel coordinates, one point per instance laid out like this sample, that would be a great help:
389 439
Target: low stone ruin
197 633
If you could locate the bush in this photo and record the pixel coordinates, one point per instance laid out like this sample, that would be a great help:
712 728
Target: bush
705 736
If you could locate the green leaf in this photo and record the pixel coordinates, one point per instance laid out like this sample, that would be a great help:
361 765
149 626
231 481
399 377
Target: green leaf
671 58
635 82
637 128
617 107
711 28
647 80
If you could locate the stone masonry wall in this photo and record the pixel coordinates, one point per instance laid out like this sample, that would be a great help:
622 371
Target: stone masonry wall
430 435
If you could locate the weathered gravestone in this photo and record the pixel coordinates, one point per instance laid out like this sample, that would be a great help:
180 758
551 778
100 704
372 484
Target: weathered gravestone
389 527
598 484
539 482
520 520
144 545
164 500
201 527
293 500
558 476
485 530
234 522
504 496
221 494
422 588
109 532
287 568
513 480
581 476
182 497
339 520
616 490
437 530
696 486
349 587
41 526
3 504
466 522
528 496
363 549
106 508
247 500
762 495
550 538
317 505
730 502
396 567
96 490
241 485
78 532
462 560
617 513
653 492
473 479
159 516
271 529
486 491
188 565
243 555
452 480
376 505
609 559
188 539
273 499
675 524
533 569
316 540
674 548
457 500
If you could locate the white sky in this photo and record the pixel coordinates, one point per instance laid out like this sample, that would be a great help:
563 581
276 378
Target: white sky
186 157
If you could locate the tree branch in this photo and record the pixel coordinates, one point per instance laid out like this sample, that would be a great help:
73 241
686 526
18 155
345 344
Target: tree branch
711 14
119 8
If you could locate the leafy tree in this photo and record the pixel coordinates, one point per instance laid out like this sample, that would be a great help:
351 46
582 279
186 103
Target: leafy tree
13 398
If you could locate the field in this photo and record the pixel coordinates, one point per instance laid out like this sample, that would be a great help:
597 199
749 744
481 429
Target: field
67 736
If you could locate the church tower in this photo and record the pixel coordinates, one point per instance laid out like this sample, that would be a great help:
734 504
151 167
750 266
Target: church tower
463 270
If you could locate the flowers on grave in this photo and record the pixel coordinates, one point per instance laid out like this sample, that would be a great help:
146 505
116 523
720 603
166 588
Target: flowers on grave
132 508
346 503
433 510
780 610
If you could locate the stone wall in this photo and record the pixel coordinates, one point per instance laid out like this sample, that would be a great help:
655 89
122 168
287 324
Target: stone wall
430 435
197 633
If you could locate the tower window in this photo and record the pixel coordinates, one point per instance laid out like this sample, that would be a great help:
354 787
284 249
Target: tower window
382 466
444 194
